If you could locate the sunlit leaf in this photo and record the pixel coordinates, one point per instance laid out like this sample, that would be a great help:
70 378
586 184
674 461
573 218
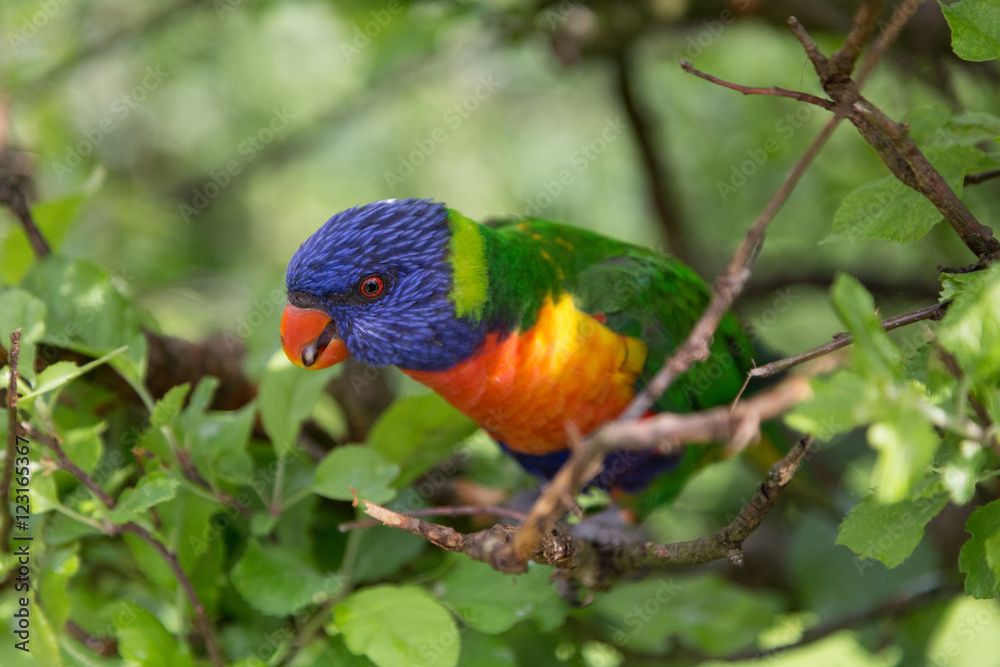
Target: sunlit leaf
397 626
355 467
975 28
888 532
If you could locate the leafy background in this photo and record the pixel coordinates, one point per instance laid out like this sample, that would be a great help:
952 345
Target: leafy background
181 152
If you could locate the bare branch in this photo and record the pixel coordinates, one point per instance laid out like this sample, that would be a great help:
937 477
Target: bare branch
102 646
891 140
13 430
15 181
727 287
933 312
863 25
773 91
981 177
599 565
66 464
207 632
899 17
457 510
205 626
737 426
659 182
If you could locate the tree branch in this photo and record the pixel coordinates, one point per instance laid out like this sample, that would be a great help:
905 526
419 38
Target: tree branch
456 510
582 465
15 181
66 464
596 565
773 91
13 430
658 179
865 18
933 312
981 177
891 140
205 626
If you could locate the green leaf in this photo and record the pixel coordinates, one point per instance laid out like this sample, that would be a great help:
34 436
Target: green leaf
357 467
417 432
61 565
277 582
329 653
703 612
874 353
888 532
218 443
974 127
975 28
20 309
87 313
142 640
386 550
169 406
62 373
966 631
971 328
45 640
398 626
53 218
978 558
839 403
84 446
493 602
906 445
152 489
286 398
888 209
841 648
201 397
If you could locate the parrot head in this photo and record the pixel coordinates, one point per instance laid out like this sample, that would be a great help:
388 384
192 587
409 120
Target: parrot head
376 282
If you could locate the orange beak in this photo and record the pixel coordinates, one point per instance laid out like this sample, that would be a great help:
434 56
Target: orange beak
309 338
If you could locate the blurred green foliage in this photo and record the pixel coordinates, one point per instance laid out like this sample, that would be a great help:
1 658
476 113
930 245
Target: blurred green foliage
182 151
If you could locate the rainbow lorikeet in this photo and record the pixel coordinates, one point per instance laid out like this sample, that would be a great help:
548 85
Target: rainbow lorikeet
523 325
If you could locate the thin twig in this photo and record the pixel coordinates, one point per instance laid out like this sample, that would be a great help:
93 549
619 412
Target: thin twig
558 497
207 632
982 414
934 312
862 26
66 464
900 15
889 610
15 179
669 431
458 510
728 542
981 177
892 142
103 646
659 182
772 91
727 287
6 520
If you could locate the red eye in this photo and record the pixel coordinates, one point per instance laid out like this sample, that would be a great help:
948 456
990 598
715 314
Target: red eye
372 286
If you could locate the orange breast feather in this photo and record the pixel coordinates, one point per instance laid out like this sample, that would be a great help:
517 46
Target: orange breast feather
524 389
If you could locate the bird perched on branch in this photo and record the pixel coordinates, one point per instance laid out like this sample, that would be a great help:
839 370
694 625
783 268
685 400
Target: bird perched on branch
523 325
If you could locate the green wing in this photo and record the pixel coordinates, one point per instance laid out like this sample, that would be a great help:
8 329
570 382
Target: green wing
656 299
649 296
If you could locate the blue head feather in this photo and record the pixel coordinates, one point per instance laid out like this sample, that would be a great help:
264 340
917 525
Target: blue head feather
413 323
